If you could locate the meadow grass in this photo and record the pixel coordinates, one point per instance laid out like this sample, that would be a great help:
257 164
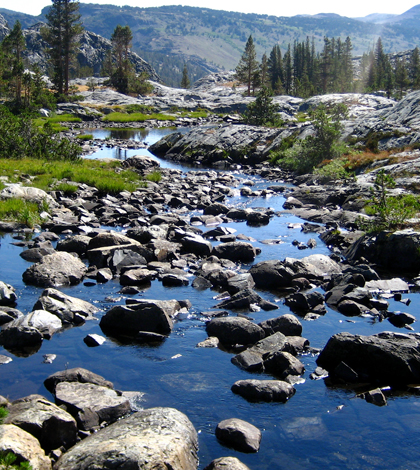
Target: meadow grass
49 175
137 117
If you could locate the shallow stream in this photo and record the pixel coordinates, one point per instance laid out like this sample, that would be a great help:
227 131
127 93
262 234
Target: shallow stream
319 428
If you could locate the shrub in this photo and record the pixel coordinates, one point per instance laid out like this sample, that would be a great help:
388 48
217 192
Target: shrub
262 111
333 170
388 211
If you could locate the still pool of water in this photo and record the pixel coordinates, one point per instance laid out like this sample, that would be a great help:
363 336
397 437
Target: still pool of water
319 428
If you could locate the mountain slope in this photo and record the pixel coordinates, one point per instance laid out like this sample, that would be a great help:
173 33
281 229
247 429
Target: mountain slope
208 40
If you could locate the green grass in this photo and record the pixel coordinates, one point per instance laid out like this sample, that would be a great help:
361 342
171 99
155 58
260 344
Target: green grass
154 176
49 175
21 211
195 114
84 137
137 117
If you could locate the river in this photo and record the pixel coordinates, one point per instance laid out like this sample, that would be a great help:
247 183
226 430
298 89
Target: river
319 427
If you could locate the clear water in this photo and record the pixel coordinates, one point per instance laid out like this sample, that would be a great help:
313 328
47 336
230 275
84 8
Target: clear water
308 432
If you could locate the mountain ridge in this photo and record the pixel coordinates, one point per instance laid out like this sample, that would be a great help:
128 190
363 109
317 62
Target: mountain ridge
211 40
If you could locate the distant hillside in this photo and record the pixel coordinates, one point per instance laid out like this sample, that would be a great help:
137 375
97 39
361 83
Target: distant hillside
210 40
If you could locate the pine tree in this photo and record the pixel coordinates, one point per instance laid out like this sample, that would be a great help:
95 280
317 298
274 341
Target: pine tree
247 67
61 34
288 71
401 75
414 68
275 70
13 45
121 42
185 82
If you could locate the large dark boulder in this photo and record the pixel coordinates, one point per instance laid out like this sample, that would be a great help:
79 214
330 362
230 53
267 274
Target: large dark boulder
129 320
385 358
234 330
239 434
398 251
236 251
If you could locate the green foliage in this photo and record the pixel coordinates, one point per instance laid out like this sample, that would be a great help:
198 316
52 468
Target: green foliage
84 137
49 175
332 171
21 211
138 108
3 413
185 81
388 211
262 111
154 176
7 462
137 117
61 34
306 154
248 68
19 138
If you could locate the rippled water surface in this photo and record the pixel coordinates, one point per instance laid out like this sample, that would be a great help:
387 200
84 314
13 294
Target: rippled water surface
319 428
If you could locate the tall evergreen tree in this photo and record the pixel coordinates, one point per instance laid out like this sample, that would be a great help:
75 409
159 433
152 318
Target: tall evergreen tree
275 69
414 68
61 34
264 71
288 71
121 43
247 68
13 45
401 75
185 81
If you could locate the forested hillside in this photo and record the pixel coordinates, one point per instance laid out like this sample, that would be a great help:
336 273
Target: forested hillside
207 40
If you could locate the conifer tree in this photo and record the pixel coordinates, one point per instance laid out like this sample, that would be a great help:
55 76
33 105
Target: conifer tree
185 81
121 43
414 68
13 45
288 71
401 75
61 34
247 68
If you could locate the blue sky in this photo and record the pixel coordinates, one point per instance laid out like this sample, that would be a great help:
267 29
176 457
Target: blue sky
277 8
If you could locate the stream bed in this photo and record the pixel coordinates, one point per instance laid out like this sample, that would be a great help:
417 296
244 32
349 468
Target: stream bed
319 427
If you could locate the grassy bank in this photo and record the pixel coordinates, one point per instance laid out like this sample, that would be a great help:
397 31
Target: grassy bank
106 176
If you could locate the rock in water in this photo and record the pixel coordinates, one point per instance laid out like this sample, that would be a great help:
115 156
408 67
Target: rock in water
157 438
54 270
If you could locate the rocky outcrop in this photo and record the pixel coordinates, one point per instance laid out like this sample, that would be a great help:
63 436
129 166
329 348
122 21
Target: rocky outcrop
92 51
149 439
399 250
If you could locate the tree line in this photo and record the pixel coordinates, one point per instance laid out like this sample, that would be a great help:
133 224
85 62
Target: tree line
303 72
